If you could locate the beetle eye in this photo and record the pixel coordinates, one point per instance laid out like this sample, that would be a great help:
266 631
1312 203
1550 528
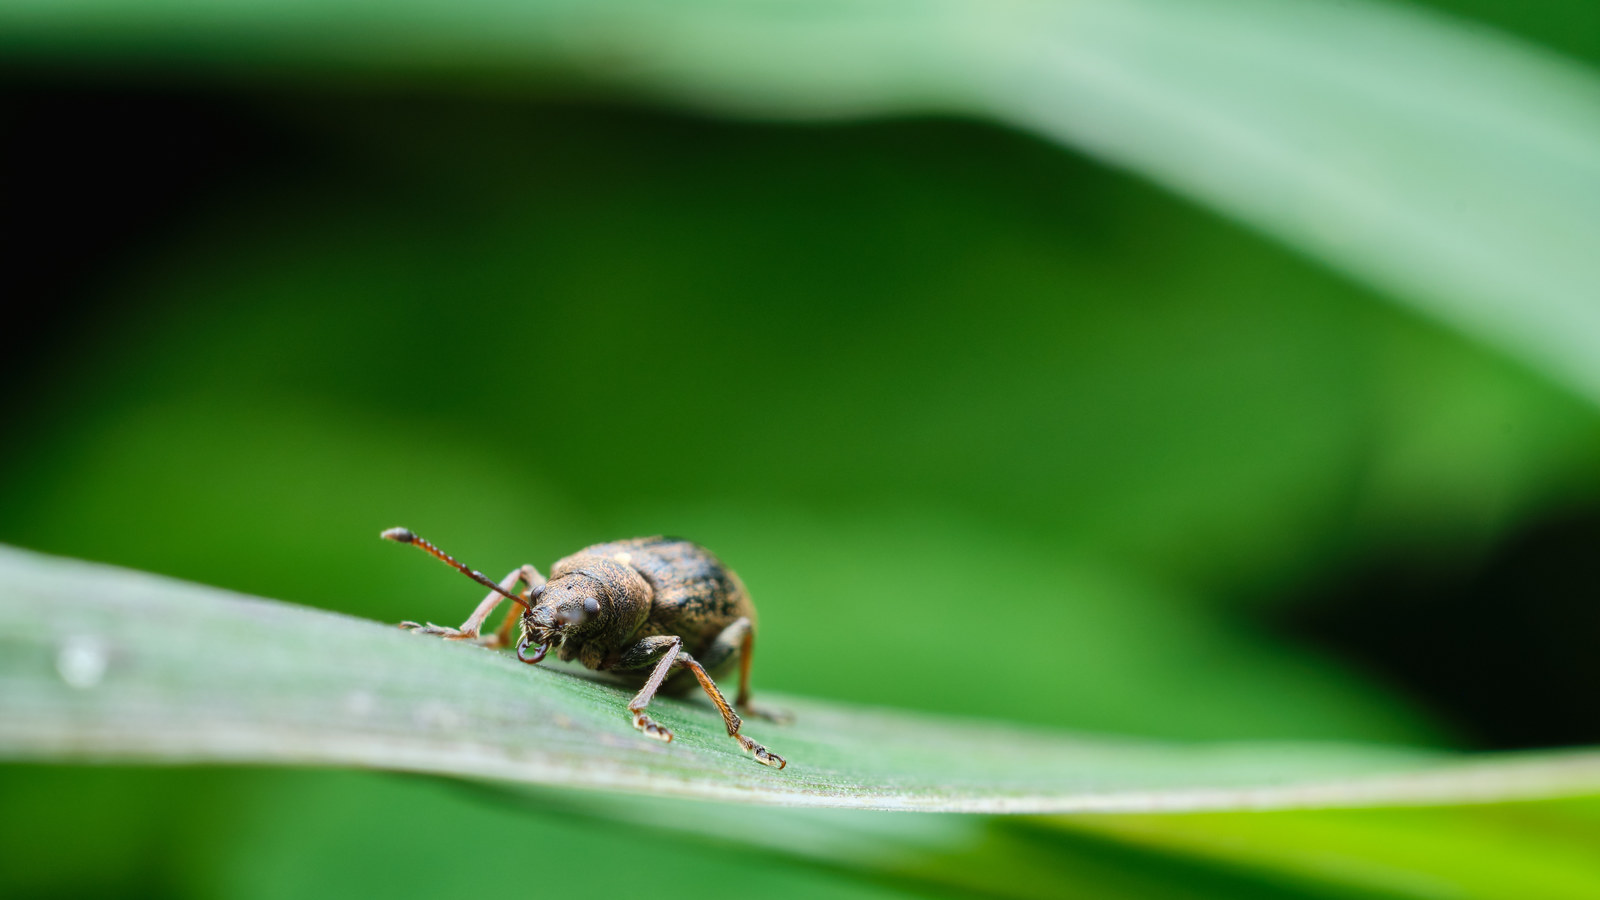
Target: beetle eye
591 606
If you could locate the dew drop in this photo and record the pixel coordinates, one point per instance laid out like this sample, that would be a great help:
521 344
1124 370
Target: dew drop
81 661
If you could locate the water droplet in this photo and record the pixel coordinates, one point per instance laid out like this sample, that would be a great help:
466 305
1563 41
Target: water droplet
82 661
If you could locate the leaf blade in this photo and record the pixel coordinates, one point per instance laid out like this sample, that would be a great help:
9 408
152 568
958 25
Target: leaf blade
101 663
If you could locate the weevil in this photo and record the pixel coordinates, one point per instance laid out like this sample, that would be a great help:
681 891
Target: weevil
661 613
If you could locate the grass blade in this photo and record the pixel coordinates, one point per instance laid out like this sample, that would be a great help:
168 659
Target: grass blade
104 664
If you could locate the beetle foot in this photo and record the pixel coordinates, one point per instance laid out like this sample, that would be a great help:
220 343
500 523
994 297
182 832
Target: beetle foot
449 634
651 728
763 755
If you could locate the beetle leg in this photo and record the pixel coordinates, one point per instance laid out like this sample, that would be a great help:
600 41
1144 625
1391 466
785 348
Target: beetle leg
739 639
728 643
729 717
469 630
670 650
637 657
532 581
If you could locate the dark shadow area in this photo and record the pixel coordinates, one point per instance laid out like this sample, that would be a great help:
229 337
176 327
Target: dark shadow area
89 176
1506 647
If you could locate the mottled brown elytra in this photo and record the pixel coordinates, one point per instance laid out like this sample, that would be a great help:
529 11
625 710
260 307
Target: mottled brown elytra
640 609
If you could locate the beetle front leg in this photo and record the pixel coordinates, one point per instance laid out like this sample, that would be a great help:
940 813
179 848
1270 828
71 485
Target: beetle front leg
669 649
663 651
469 630
729 717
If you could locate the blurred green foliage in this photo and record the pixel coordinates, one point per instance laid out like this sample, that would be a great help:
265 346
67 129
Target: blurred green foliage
986 427
925 415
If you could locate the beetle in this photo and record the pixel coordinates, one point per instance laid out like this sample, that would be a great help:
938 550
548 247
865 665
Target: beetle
639 609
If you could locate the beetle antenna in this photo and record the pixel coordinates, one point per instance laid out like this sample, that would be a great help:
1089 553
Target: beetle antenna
407 536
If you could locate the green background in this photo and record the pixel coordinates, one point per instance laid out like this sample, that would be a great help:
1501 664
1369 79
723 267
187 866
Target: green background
988 428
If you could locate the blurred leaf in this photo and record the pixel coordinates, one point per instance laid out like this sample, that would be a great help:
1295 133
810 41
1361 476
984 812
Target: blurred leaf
1455 169
101 663
200 831
205 832
1546 849
973 855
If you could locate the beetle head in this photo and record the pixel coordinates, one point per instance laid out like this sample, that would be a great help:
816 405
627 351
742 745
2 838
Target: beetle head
563 613
590 606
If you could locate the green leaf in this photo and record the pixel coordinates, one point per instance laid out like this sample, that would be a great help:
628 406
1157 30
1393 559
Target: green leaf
106 664
1452 168
1547 849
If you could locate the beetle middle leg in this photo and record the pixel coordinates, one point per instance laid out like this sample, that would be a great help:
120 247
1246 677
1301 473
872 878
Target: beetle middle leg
739 638
525 577
670 650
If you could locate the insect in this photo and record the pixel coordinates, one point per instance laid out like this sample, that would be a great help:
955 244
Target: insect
659 612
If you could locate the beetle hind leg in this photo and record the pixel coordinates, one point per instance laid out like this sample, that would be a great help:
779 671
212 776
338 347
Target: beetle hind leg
739 639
